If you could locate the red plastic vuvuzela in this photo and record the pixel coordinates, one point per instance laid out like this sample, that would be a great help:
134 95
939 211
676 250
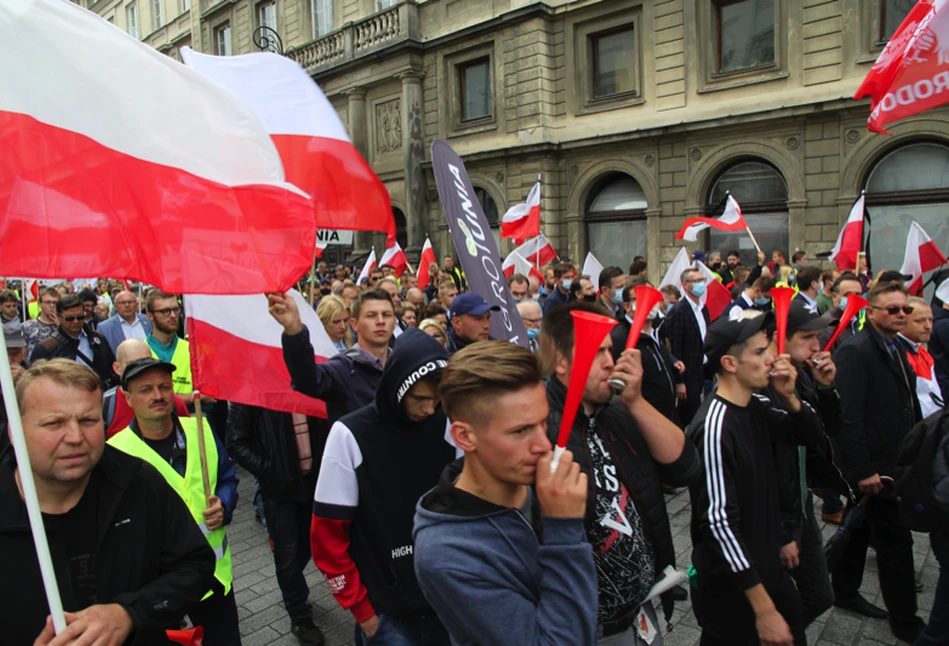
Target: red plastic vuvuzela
589 330
646 298
855 303
192 637
782 305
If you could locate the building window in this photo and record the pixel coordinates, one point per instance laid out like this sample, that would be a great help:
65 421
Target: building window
185 5
614 63
386 4
615 218
892 13
490 209
267 15
322 11
401 227
745 33
762 193
475 84
908 184
131 17
222 39
158 8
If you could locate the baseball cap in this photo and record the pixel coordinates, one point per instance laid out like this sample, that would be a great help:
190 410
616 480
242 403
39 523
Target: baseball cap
137 367
13 335
699 255
726 331
325 281
470 303
804 316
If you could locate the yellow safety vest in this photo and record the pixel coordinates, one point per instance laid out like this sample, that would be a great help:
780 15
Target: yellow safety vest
190 487
181 377
33 308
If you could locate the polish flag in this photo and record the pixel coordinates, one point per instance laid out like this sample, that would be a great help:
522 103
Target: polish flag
909 76
115 160
316 152
921 255
717 297
395 257
850 241
515 263
680 263
236 353
320 248
425 260
538 251
522 221
370 263
730 220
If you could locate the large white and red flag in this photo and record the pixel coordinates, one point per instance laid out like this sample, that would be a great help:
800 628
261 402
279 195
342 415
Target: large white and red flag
730 220
538 251
115 160
850 241
236 353
515 263
912 72
316 151
522 221
370 264
921 255
424 262
680 263
717 297
395 258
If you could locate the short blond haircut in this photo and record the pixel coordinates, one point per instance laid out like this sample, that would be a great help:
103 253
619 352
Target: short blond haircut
329 307
63 372
480 372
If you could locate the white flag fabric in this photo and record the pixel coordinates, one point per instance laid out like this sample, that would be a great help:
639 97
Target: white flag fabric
592 268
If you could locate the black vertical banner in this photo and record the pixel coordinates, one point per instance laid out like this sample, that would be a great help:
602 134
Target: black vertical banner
474 242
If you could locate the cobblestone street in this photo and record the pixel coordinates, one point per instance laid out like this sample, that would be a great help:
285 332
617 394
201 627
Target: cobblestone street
264 621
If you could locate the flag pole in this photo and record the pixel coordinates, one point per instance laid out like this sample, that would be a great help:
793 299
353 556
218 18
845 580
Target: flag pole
311 292
202 447
748 229
28 487
540 228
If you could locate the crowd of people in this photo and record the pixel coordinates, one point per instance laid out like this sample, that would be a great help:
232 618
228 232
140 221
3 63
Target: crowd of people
430 497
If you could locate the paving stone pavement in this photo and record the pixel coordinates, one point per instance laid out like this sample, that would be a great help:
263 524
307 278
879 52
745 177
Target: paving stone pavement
264 621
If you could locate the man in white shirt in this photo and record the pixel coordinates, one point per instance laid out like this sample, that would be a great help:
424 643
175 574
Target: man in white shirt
127 323
685 327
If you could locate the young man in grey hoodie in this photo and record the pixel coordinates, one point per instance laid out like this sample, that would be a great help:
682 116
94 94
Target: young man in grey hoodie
502 563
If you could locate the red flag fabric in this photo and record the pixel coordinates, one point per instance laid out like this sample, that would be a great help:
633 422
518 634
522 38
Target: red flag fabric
850 241
538 251
370 263
395 257
522 221
236 353
515 263
425 260
921 255
910 74
717 297
730 220
316 151
122 162
320 248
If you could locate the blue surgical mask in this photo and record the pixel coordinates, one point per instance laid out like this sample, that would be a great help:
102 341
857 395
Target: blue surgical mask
843 303
566 283
617 299
762 301
698 289
532 334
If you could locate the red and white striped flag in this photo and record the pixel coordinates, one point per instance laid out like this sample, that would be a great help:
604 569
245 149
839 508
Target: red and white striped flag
921 255
515 263
236 353
320 248
522 221
108 140
370 264
850 241
424 262
717 297
538 251
730 220
395 257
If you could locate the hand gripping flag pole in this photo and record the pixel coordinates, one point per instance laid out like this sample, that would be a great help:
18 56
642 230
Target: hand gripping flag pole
646 298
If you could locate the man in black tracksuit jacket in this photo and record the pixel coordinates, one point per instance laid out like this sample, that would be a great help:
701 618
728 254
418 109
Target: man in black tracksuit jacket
377 463
628 449
744 595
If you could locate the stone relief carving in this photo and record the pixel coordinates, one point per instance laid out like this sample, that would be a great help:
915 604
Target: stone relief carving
388 126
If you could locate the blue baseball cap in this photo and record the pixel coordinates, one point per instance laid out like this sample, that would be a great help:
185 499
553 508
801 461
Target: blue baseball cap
471 303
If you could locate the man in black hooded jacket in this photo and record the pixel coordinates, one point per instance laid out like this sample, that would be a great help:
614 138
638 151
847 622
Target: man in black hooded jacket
378 462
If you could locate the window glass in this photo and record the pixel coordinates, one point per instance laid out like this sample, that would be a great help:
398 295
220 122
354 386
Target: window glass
490 208
267 15
622 194
475 90
223 40
158 12
401 228
745 34
131 13
750 181
322 17
894 11
616 225
614 63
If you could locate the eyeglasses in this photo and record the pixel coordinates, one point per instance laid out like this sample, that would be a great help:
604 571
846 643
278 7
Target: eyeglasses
71 319
895 309
168 311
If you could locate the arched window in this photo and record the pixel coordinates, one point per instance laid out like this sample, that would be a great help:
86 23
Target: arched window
907 184
401 232
615 217
762 193
490 208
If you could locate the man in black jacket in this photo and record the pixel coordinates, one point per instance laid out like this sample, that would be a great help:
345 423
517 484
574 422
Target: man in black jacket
378 462
628 449
129 558
685 328
878 406
283 451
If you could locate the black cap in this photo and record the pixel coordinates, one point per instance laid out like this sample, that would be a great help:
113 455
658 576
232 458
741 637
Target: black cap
135 368
726 331
804 316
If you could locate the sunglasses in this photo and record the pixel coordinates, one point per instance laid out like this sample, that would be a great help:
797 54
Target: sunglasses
168 311
895 309
71 319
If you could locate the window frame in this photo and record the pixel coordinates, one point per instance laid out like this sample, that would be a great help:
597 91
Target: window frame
326 4
185 5
901 198
220 29
261 8
592 40
460 69
880 39
583 56
158 14
131 20
717 72
451 111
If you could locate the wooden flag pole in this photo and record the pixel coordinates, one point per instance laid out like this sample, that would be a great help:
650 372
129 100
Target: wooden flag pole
748 229
202 447
311 290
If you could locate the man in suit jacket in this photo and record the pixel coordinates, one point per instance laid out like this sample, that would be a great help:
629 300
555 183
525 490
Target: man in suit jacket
127 323
685 328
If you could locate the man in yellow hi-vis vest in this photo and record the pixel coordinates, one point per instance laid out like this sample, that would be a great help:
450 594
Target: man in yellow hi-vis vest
170 444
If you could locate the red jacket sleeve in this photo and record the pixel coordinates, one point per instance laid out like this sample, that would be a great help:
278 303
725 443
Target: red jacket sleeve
329 544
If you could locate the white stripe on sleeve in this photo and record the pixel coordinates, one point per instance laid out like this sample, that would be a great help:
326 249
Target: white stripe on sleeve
715 483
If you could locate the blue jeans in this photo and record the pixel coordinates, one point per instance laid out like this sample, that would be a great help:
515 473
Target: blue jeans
421 631
288 522
937 631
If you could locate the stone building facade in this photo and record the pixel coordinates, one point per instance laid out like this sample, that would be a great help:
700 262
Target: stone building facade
636 114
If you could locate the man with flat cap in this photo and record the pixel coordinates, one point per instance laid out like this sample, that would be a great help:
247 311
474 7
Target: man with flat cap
744 596
470 321
170 443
